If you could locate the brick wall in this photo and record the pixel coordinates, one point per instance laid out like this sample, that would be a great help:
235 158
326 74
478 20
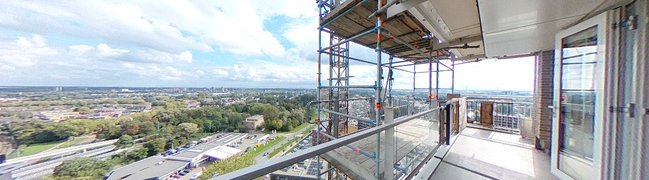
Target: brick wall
543 92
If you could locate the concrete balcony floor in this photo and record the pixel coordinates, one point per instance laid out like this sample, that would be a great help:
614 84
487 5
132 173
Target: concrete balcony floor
483 154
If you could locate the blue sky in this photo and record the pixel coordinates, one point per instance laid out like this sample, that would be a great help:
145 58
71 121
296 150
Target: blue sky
230 43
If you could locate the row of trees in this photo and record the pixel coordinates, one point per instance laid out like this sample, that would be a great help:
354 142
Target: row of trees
280 113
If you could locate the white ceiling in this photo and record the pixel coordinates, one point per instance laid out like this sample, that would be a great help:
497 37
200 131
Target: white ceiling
451 20
528 26
509 27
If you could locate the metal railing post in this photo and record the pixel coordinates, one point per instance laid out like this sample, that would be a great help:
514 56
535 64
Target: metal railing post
388 147
447 119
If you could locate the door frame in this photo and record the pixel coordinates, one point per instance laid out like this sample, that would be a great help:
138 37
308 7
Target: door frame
601 21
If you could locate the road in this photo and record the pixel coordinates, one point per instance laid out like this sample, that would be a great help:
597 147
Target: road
46 168
261 158
56 152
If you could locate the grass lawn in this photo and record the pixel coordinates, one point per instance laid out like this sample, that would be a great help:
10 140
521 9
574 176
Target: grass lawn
33 149
291 150
73 142
308 130
277 150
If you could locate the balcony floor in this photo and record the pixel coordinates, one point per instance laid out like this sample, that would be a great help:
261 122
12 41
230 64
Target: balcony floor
482 154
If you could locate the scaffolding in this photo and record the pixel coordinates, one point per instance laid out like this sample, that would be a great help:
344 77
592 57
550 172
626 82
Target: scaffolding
400 36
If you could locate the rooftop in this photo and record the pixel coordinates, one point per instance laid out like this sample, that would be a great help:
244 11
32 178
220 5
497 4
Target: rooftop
148 168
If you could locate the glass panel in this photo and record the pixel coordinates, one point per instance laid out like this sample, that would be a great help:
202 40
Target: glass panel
577 116
578 95
577 77
414 140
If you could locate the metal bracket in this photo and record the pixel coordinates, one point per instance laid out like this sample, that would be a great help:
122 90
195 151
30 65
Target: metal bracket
631 110
616 109
631 22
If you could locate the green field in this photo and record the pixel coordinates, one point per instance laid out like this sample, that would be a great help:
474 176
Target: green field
308 130
72 142
33 149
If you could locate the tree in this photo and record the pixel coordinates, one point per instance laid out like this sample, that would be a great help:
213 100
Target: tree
271 113
132 129
155 146
85 110
124 141
187 129
63 130
82 168
138 154
147 128
110 131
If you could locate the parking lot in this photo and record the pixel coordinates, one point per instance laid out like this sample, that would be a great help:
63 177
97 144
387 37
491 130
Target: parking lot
175 163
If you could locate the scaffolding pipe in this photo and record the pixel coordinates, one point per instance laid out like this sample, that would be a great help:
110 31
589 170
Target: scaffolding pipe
433 71
430 80
437 79
399 62
368 62
349 116
308 106
351 86
399 40
264 168
318 98
349 39
381 10
378 89
453 76
343 14
331 90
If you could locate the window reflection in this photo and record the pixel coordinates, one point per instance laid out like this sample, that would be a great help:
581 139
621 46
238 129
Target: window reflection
578 93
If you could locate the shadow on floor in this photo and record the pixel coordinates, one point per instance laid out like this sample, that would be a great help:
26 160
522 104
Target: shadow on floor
483 154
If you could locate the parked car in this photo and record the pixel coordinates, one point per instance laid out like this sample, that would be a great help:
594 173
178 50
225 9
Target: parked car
195 176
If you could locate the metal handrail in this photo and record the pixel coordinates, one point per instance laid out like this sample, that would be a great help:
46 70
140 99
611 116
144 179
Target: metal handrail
284 161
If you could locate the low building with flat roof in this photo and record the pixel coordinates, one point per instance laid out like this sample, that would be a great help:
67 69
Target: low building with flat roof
159 167
253 122
149 168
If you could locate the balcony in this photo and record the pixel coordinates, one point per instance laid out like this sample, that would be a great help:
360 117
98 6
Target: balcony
417 147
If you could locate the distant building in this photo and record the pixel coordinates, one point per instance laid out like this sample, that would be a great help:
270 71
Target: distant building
253 122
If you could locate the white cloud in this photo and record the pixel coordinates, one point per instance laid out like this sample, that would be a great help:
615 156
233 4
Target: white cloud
235 26
23 52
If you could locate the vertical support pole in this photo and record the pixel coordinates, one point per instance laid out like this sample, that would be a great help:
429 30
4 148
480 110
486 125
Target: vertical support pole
414 79
453 76
430 81
447 120
437 77
332 117
389 82
388 147
377 93
318 93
